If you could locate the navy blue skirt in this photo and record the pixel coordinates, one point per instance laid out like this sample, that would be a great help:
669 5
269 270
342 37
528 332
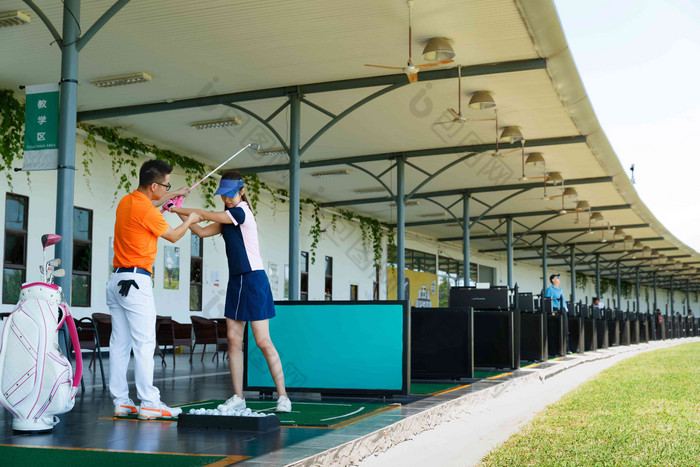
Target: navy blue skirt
249 297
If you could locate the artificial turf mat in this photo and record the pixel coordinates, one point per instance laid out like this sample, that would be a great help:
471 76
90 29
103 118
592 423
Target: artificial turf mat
316 414
17 455
488 374
429 389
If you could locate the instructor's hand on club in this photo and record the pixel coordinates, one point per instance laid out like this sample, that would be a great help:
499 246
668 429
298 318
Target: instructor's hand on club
194 218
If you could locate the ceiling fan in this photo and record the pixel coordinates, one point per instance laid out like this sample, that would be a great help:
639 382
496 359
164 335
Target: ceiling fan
457 116
410 69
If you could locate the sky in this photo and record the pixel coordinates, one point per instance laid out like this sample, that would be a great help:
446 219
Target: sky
639 61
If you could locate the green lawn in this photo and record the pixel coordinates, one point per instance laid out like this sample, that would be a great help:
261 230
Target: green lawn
643 411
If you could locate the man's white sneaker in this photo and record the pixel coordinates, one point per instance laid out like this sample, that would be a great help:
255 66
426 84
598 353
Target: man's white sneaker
284 405
233 403
161 411
126 408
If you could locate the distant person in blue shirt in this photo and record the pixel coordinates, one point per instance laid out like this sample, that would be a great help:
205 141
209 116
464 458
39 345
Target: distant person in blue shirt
559 304
554 292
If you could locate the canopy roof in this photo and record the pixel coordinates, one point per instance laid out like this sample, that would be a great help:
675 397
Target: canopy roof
252 54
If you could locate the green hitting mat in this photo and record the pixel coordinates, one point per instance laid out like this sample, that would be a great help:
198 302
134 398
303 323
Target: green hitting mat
17 455
309 414
432 389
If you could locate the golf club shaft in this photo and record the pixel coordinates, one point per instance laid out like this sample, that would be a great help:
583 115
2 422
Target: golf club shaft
222 164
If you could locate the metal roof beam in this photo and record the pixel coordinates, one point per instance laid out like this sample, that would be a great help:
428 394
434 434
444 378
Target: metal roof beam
514 215
645 239
541 232
567 255
461 191
283 91
476 148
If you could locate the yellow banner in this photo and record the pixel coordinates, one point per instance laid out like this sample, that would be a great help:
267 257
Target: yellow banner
421 288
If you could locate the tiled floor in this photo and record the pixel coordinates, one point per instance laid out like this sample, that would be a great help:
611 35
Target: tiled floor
90 423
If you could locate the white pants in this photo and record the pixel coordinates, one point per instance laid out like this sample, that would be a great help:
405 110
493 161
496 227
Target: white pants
133 325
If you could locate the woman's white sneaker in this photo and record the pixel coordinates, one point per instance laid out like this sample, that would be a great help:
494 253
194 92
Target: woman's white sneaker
284 405
233 403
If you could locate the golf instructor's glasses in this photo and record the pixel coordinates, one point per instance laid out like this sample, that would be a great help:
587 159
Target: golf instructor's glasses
167 187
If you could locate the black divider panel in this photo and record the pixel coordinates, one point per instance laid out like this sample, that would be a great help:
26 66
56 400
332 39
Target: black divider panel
602 330
613 333
555 335
590 334
493 339
576 334
532 339
442 343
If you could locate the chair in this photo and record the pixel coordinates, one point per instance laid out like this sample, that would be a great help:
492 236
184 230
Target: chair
222 332
205 332
171 333
103 324
89 339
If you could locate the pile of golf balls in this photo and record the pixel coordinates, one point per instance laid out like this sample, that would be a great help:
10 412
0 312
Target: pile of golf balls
231 413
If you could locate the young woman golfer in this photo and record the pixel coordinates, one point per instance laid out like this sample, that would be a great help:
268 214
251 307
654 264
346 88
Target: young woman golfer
248 297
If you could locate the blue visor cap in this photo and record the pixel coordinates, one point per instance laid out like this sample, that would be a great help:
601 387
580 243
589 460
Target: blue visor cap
229 188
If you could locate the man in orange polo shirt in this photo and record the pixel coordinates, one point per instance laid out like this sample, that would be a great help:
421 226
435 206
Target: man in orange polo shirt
138 226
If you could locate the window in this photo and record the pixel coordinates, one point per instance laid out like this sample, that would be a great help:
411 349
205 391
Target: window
415 260
353 293
329 279
304 266
196 255
15 262
375 284
487 274
82 257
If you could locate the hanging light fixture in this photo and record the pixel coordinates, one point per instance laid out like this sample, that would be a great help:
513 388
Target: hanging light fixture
482 100
512 134
570 193
555 177
596 216
534 158
583 206
437 49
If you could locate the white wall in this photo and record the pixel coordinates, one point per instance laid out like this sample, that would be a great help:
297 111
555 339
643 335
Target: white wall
352 260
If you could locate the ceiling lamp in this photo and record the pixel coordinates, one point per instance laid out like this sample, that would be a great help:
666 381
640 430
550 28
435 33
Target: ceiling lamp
414 202
437 49
512 134
121 80
555 177
619 233
646 250
570 193
330 173
583 206
208 124
596 216
482 100
637 245
628 239
365 191
534 158
272 152
13 18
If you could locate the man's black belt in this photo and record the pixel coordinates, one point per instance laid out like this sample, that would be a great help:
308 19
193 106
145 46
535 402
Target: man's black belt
134 270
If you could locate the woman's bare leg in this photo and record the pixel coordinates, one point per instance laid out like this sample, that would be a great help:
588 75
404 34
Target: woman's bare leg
234 332
261 332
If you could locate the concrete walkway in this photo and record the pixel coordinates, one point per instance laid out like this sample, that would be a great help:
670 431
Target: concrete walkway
469 437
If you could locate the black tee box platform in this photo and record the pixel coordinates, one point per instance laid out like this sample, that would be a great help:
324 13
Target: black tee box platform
228 422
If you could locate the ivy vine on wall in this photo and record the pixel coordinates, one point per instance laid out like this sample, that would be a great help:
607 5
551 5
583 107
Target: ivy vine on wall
581 281
124 155
125 152
11 132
